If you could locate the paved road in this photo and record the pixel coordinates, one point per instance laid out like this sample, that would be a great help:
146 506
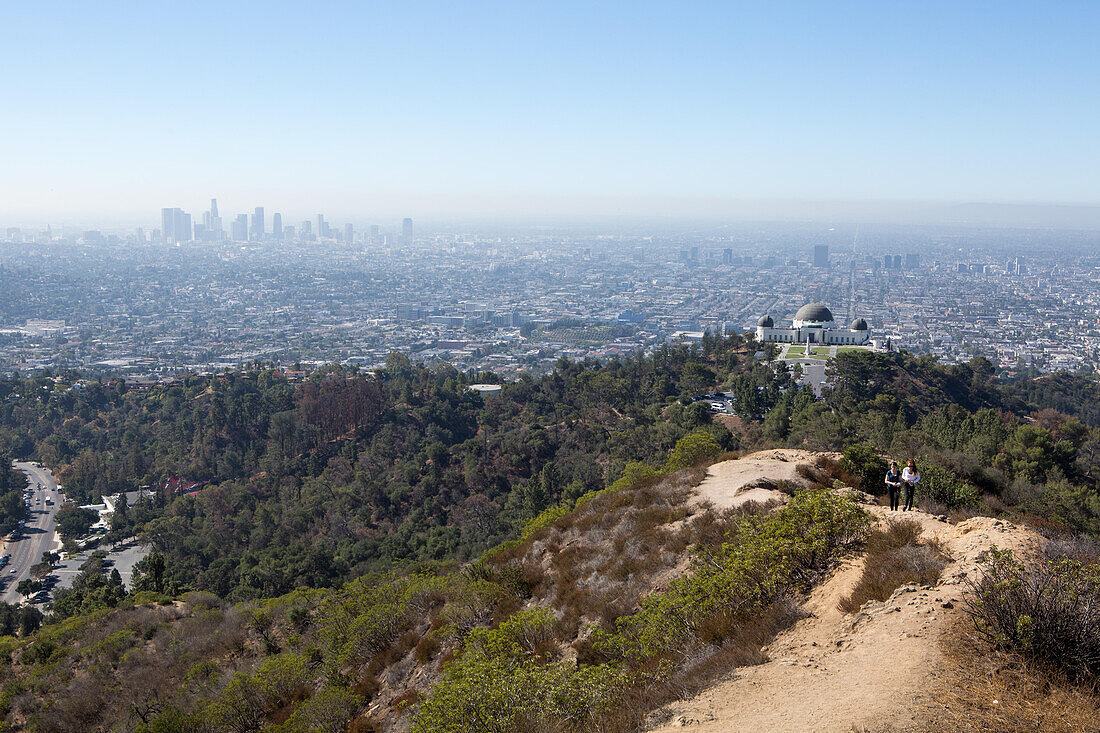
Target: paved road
37 537
813 372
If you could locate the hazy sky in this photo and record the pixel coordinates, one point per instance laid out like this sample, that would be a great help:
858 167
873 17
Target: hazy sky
426 108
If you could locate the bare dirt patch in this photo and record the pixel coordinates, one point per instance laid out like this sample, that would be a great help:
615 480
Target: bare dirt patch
754 478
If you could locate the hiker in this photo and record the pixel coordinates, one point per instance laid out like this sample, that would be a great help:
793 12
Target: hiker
910 476
893 485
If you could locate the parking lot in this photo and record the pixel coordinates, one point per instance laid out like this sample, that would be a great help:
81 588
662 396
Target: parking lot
123 560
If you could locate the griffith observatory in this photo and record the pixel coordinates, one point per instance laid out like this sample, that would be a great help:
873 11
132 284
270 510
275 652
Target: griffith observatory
814 324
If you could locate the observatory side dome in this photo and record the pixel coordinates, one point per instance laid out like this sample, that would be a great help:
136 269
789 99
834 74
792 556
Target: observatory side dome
859 325
765 322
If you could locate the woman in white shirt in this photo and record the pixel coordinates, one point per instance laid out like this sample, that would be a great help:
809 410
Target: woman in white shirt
909 478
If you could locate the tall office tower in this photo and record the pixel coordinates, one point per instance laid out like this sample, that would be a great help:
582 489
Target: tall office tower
821 255
240 228
307 231
214 226
140 235
176 225
183 226
277 226
168 224
288 234
375 230
912 261
321 233
897 262
406 229
727 257
349 234
887 261
258 224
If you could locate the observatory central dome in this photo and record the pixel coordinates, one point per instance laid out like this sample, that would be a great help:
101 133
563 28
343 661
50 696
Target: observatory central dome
813 313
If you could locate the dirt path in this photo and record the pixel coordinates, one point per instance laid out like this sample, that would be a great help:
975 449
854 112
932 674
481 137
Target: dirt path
730 483
874 670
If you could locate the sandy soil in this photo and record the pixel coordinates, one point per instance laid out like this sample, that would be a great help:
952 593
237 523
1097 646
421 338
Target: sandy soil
728 483
874 670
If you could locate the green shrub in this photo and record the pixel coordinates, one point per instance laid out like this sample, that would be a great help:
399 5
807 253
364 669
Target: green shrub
861 460
633 473
693 448
328 711
544 519
243 704
173 720
1049 610
945 487
363 620
504 681
149 596
765 557
110 648
8 645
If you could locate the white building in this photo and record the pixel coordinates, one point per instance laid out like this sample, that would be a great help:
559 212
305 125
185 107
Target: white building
813 324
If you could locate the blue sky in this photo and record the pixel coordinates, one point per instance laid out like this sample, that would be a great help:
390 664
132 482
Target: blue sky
440 108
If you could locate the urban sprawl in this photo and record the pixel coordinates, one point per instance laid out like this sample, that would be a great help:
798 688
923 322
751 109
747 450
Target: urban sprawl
153 303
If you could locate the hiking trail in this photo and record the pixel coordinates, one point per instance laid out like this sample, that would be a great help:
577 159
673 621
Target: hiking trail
877 669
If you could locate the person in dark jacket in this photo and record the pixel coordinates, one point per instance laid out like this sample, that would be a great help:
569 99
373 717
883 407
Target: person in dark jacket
893 485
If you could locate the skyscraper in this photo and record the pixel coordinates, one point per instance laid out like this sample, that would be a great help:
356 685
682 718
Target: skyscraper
183 226
406 229
322 229
349 234
176 224
168 224
214 225
258 224
240 228
277 226
821 255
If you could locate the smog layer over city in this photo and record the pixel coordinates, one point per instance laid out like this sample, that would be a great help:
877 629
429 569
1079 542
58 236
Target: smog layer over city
202 297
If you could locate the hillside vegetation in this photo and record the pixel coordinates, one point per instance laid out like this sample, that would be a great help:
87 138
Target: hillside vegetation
390 551
576 626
